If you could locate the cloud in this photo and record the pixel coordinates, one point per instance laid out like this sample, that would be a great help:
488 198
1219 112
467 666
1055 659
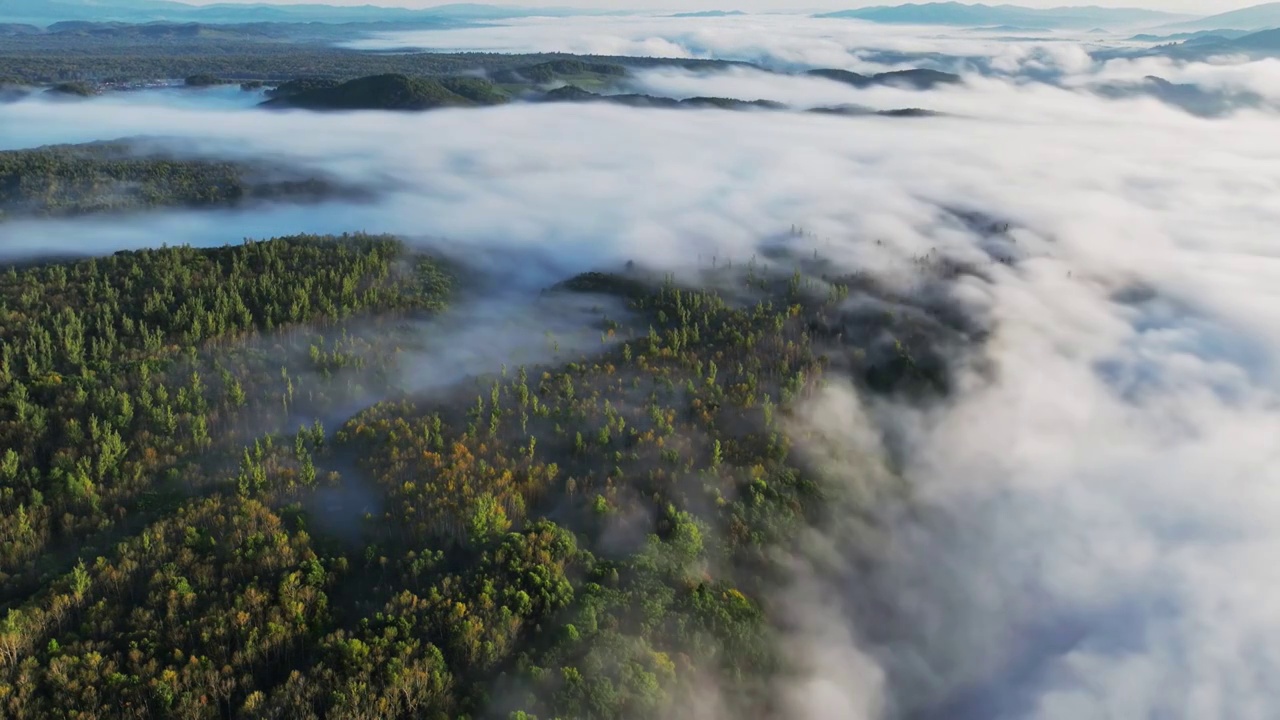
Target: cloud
749 84
792 42
1260 76
773 40
1094 515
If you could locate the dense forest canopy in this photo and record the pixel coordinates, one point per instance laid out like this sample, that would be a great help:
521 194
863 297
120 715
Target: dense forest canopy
238 55
166 413
395 92
36 60
136 175
301 71
301 74
221 497
400 92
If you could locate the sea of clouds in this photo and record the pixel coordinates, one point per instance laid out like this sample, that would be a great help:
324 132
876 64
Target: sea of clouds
776 40
1095 513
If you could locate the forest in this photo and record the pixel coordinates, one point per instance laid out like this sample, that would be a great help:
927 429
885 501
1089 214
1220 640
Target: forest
592 537
46 59
253 53
401 92
123 176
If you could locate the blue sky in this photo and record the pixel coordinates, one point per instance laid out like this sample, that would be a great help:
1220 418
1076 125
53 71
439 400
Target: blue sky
1204 7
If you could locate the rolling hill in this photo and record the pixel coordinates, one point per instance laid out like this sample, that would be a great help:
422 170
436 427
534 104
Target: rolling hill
1267 40
571 93
394 92
918 79
554 70
405 93
1262 44
1216 35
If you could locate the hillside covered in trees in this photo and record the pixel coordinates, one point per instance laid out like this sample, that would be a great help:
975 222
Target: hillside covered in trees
401 92
595 537
394 92
85 60
117 57
128 176
917 79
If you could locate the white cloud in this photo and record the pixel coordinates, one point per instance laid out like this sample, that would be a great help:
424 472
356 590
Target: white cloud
784 40
788 42
1259 76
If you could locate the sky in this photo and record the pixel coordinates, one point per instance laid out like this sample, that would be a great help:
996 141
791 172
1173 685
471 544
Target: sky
1203 7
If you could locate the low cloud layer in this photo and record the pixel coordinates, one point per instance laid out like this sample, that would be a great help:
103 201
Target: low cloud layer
1259 76
791 42
1096 513
774 40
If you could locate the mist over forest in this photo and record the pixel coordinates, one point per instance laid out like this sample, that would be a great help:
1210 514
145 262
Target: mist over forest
910 363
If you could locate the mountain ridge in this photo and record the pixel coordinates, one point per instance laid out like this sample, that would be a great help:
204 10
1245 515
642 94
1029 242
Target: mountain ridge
1254 18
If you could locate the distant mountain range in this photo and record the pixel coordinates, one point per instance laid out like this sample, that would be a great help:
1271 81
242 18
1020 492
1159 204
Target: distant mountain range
1265 41
44 12
1215 35
956 14
1258 17
1199 46
961 14
1263 44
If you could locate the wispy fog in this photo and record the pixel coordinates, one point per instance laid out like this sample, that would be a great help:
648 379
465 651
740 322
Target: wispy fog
791 43
775 40
1260 76
220 97
1094 518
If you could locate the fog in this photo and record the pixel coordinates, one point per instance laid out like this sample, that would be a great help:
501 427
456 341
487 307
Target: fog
1070 59
781 41
1094 513
220 97
1260 76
